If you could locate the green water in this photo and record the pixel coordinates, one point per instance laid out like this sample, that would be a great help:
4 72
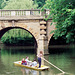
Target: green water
64 60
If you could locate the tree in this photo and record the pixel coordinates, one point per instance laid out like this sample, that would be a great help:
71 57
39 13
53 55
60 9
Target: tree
19 4
40 3
1 1
63 14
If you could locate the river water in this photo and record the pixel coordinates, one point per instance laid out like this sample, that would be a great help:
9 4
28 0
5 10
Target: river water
63 57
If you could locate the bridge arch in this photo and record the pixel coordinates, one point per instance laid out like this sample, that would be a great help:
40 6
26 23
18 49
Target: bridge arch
4 30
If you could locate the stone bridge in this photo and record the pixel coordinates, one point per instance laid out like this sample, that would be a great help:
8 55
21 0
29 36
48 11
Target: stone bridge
30 20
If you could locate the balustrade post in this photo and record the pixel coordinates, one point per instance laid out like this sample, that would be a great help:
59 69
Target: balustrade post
40 12
47 12
13 13
43 12
27 13
0 13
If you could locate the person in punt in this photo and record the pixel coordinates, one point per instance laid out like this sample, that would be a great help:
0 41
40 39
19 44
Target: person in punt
39 58
27 60
34 63
24 62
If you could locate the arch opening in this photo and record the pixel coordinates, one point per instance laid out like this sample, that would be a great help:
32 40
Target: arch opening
56 45
28 42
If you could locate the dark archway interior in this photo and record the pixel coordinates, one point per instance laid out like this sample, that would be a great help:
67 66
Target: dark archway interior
57 45
59 41
4 30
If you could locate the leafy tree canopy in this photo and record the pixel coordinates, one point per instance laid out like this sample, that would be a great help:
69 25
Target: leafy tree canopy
63 14
1 1
40 3
19 4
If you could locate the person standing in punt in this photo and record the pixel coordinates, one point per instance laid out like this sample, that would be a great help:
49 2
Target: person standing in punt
39 58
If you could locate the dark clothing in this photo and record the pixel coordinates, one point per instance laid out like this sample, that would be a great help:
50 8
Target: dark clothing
39 60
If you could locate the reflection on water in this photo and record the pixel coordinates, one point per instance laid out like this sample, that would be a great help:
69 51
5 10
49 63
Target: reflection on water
28 71
64 60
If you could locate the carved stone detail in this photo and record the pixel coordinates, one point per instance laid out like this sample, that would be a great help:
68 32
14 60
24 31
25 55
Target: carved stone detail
2 25
42 32
42 22
42 27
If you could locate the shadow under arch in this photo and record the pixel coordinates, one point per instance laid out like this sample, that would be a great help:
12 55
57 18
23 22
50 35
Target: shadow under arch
56 45
58 41
3 31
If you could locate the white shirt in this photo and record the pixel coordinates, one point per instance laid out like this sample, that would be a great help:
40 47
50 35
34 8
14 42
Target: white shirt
34 63
27 60
39 55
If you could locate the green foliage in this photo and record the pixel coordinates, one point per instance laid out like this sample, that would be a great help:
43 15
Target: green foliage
1 1
63 14
40 3
19 4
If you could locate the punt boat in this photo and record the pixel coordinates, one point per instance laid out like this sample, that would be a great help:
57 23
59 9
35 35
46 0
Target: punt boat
43 67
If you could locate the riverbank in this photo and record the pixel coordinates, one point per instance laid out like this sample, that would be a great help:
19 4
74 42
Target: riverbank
16 47
62 46
32 47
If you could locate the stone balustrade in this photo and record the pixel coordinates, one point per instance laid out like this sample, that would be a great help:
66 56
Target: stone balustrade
35 12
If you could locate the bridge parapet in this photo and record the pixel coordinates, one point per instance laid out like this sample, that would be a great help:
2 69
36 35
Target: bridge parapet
35 12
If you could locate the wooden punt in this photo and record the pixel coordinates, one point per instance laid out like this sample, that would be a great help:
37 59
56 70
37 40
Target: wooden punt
43 67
